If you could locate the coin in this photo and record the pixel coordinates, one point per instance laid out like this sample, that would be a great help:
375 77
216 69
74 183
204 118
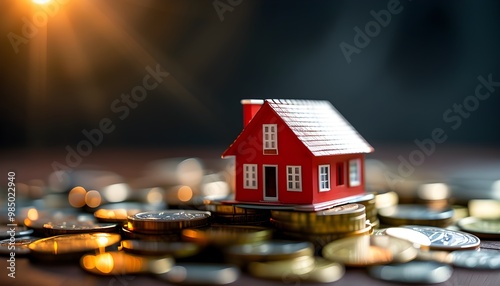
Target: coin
424 272
172 237
418 239
369 250
268 251
54 216
353 224
329 216
121 263
483 228
157 248
167 221
247 219
485 209
483 259
229 208
201 274
70 246
445 239
280 268
16 231
415 214
73 227
324 271
384 200
227 235
17 245
119 212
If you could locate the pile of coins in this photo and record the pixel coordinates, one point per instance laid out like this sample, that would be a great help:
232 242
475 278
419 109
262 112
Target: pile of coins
230 213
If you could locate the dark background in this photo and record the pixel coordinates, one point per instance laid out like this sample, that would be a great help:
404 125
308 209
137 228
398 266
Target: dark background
395 91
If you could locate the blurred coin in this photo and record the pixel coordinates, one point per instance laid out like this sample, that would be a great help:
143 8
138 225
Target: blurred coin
121 263
369 250
159 248
167 220
334 215
415 214
201 274
70 246
483 228
483 259
119 212
418 239
166 237
14 231
353 224
73 227
384 200
17 245
324 271
422 272
227 235
37 219
278 269
268 251
445 239
484 209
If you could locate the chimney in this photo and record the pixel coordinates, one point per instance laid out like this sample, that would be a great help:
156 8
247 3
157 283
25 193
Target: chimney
250 107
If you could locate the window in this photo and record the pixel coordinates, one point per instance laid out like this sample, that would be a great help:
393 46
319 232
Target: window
270 138
250 176
340 174
324 178
354 173
294 178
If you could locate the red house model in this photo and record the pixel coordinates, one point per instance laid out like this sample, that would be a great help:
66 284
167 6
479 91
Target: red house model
297 152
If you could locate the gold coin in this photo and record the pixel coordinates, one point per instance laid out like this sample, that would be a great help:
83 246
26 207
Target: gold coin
167 221
280 268
334 215
353 224
369 250
483 228
485 209
70 246
268 251
227 235
158 248
121 263
230 209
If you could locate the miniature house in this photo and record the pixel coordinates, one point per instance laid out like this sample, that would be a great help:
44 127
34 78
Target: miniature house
296 152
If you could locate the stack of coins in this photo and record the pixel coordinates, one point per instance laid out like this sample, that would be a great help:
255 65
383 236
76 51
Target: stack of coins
163 225
322 227
230 213
369 201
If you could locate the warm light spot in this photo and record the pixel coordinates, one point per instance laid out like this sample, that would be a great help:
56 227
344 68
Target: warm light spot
104 262
116 192
76 197
88 261
41 2
93 199
185 193
154 196
434 191
55 247
102 241
32 214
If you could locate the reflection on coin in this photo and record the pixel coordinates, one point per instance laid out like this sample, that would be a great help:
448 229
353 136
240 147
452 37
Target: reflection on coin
227 235
415 214
18 245
268 251
121 263
445 239
73 227
6 231
369 250
324 271
201 274
481 227
483 259
418 239
167 220
156 248
278 269
70 246
425 272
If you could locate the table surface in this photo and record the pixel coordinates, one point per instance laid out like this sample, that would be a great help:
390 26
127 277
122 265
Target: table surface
36 164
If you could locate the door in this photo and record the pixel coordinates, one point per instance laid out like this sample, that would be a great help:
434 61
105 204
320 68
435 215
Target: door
270 182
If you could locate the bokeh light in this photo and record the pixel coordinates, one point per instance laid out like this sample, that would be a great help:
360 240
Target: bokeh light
93 199
76 197
184 193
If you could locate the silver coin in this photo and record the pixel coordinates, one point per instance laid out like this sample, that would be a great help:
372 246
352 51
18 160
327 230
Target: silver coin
201 274
424 272
415 212
171 215
445 239
17 245
483 259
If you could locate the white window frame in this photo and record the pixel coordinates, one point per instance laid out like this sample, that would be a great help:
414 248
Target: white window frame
294 177
270 137
324 178
250 176
355 173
